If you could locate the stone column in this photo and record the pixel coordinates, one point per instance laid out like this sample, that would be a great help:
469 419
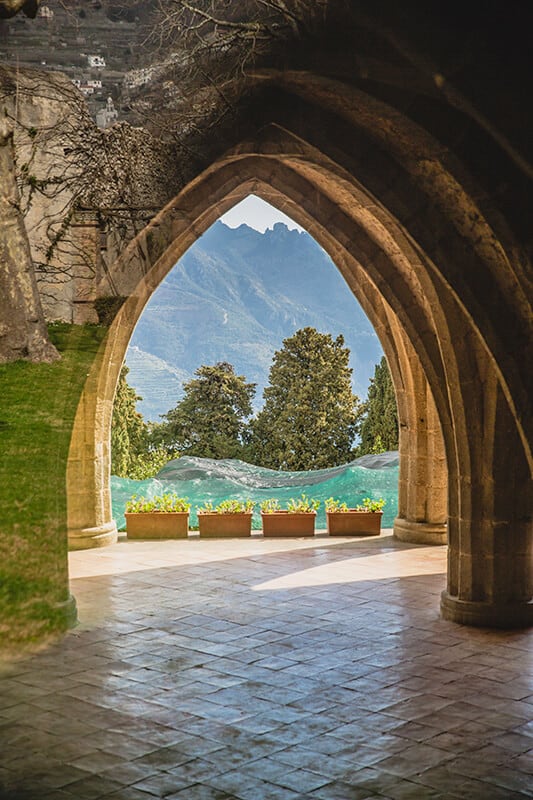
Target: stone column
90 518
422 484
490 558
84 251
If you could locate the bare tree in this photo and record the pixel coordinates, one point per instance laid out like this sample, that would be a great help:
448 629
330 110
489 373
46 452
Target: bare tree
201 54
69 172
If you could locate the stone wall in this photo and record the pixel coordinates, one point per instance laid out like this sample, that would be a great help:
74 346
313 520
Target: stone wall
401 144
84 192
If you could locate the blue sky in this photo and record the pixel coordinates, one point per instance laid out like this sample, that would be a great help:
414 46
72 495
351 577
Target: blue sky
257 214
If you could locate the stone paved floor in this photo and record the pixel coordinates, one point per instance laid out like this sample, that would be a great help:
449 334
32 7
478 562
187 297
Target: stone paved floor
267 669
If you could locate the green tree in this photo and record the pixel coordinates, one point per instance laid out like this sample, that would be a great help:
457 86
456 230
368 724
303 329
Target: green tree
210 420
379 426
133 453
128 429
310 414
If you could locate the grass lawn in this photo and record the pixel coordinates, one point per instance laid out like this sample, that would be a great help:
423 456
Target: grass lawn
37 407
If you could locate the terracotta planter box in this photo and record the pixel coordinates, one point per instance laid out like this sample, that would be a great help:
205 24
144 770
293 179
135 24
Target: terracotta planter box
213 525
158 525
283 523
354 523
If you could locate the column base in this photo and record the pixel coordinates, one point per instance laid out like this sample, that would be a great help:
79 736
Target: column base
486 615
420 532
67 612
100 536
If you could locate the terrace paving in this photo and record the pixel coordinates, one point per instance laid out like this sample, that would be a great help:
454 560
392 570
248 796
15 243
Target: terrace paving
251 669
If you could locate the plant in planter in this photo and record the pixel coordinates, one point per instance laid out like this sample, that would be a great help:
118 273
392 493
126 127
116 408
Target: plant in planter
298 519
161 517
230 518
363 520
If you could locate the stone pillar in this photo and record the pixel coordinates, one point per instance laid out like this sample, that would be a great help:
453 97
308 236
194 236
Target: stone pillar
90 519
422 484
84 249
490 558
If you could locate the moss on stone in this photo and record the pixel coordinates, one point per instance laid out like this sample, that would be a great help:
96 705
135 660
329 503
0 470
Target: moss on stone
37 408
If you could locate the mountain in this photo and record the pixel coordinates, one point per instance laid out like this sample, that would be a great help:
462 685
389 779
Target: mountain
234 296
156 381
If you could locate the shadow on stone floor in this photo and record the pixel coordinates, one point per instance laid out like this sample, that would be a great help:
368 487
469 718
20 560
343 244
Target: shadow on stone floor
194 681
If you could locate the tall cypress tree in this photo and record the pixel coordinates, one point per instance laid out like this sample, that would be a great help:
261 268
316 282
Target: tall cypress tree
128 430
379 428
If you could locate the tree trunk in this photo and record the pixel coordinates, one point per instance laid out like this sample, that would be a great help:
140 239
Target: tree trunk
23 331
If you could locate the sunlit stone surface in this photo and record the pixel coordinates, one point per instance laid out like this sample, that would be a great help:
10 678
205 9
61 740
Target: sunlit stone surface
260 669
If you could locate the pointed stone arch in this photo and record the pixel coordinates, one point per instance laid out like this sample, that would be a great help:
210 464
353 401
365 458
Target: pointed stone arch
423 316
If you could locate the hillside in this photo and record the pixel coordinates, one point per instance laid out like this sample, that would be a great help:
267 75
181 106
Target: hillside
64 34
234 296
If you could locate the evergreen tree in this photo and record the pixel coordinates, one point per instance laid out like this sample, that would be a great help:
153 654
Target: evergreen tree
379 427
128 429
310 414
210 420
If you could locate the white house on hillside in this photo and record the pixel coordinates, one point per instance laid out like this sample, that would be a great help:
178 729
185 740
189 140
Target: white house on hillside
96 61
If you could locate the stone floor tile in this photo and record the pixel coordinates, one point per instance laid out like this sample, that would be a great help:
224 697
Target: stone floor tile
403 766
416 732
480 762
239 783
360 754
59 777
509 778
21 762
229 758
261 723
302 780
69 751
300 757
275 694
456 741
162 759
264 789
337 790
153 734
351 687
371 778
129 773
93 787
97 761
523 763
200 791
267 769
128 793
160 785
407 790
195 770
475 789
513 741
56 794
128 748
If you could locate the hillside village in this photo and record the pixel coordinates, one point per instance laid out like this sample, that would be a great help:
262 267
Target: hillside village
95 44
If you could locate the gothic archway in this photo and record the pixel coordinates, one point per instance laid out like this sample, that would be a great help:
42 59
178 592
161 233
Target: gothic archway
423 317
